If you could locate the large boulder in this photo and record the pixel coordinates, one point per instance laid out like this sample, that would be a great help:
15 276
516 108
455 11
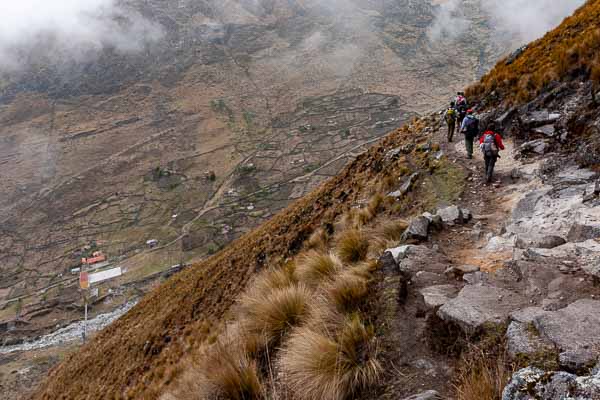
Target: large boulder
418 229
573 331
532 384
436 296
451 215
478 306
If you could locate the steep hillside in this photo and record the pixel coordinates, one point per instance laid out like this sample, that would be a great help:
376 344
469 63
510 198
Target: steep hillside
568 53
240 108
460 301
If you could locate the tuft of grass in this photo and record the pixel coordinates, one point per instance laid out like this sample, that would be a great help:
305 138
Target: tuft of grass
376 203
318 240
273 279
393 230
353 246
266 318
319 365
348 291
364 216
314 267
482 375
223 372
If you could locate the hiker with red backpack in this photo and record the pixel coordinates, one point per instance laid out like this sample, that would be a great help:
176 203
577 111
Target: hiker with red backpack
470 128
490 144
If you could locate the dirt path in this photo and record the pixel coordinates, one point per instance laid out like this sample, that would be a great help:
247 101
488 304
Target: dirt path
490 205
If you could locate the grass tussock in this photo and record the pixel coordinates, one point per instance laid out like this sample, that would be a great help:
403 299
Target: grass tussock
275 278
267 317
364 216
353 246
482 375
567 53
376 203
318 240
222 372
393 230
319 365
348 291
314 267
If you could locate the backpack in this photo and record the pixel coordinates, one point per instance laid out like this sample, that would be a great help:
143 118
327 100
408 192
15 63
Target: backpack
461 101
450 115
490 149
471 127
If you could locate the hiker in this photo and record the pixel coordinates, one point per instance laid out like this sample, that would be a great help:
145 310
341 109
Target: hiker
470 128
461 106
450 117
490 144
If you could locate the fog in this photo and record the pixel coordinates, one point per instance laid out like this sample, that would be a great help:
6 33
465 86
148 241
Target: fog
69 30
521 21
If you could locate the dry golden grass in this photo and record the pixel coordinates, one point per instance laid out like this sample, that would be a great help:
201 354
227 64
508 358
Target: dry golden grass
393 230
569 52
222 372
318 240
364 216
347 291
274 278
482 376
352 246
376 203
314 267
321 365
267 317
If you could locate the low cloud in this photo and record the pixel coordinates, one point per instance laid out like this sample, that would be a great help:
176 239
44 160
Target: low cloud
529 19
67 30
450 21
520 20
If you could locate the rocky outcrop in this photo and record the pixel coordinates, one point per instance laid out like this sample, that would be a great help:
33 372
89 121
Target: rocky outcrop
418 230
532 384
573 331
436 296
451 215
479 306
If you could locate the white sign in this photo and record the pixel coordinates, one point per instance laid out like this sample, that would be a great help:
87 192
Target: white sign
105 275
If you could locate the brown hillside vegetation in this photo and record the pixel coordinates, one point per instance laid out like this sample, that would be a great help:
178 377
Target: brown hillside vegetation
570 51
138 355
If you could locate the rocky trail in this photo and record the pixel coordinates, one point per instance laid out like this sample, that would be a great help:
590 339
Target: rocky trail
518 257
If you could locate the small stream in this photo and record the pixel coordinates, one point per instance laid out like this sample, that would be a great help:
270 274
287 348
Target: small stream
71 332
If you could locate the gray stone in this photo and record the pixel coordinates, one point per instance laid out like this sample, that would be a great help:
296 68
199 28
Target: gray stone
457 272
476 278
400 253
428 395
405 188
581 233
540 242
437 296
451 215
418 229
476 306
539 146
547 130
435 221
573 330
467 214
524 339
533 383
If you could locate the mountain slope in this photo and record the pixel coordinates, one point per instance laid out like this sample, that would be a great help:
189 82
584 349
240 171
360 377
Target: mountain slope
147 343
274 97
